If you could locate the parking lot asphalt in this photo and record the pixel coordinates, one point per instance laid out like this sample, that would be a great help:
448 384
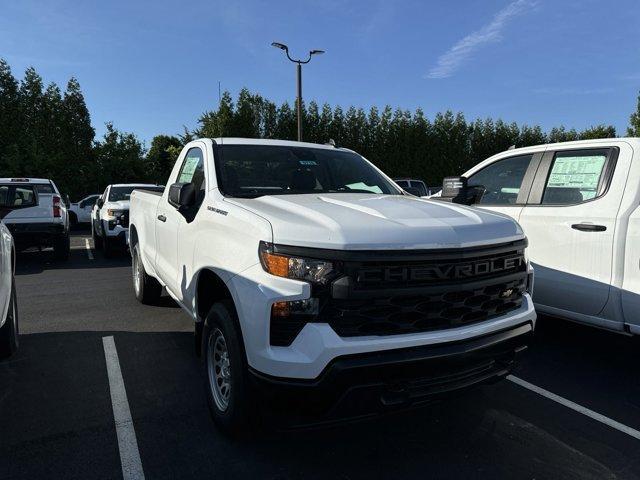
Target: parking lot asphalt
57 418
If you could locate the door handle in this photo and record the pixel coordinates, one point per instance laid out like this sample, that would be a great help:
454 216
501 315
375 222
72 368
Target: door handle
588 227
162 218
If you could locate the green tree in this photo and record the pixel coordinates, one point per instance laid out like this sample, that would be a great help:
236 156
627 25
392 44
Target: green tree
10 118
162 156
119 158
634 122
77 135
598 131
531 136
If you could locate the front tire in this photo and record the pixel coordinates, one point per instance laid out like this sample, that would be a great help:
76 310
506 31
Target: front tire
146 288
225 371
9 331
97 240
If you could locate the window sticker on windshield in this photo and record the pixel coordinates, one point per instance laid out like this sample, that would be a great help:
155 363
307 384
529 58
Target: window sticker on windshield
189 168
308 162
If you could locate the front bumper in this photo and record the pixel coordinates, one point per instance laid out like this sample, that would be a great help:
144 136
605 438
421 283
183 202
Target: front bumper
361 385
317 345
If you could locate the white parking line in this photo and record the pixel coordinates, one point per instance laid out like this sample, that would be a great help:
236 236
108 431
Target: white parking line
127 443
578 408
87 245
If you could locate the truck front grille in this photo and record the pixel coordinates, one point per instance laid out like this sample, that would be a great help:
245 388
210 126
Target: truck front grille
394 293
393 315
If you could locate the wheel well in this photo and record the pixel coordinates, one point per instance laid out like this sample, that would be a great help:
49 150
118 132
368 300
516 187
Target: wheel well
133 237
210 289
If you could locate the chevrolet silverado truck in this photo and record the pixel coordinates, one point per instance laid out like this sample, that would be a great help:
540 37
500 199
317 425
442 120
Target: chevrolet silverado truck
110 217
319 289
35 214
8 302
578 203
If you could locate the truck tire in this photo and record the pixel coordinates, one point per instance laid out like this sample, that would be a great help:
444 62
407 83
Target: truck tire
97 241
146 288
62 247
225 372
9 331
73 221
107 246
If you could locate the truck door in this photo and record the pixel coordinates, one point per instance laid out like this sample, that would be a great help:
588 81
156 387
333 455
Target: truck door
170 221
506 183
570 220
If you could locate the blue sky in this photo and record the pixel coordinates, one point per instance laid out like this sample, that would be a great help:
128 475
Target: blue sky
153 66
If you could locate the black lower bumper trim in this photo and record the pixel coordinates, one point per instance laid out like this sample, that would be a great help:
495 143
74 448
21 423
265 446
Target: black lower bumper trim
368 384
32 234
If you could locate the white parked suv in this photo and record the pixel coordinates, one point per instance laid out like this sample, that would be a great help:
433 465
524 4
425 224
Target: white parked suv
579 205
8 301
110 216
80 212
317 284
35 214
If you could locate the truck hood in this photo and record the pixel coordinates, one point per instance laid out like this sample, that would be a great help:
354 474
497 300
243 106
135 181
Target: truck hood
350 221
120 205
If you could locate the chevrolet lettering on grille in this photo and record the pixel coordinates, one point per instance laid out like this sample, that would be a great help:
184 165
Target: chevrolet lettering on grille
452 271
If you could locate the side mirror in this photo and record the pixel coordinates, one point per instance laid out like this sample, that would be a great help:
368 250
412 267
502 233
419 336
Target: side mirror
456 190
413 191
182 195
100 202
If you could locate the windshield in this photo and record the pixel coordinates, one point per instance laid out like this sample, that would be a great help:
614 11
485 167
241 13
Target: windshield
257 170
117 194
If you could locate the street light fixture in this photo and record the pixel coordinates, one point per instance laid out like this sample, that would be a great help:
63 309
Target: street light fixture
299 64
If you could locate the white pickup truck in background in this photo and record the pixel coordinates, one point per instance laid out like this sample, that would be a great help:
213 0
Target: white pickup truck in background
110 216
579 205
313 280
33 211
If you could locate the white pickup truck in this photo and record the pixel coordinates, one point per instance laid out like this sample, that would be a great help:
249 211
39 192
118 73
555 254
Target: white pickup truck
110 216
33 211
314 281
579 205
8 301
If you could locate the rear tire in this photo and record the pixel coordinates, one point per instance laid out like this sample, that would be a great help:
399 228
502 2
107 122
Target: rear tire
9 331
62 247
146 288
225 372
73 221
97 241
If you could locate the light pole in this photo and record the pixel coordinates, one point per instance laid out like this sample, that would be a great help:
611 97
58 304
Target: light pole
299 63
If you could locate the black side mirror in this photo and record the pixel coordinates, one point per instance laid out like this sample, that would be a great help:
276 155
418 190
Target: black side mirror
413 191
182 195
100 202
456 190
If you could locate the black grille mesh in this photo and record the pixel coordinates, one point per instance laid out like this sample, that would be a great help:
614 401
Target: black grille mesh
401 314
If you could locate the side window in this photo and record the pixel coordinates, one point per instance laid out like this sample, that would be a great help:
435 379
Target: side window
421 187
402 183
575 177
501 180
192 171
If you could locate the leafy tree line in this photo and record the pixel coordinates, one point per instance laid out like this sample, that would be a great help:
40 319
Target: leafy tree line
45 132
400 142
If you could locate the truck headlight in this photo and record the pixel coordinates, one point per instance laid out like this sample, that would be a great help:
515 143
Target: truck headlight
112 213
298 268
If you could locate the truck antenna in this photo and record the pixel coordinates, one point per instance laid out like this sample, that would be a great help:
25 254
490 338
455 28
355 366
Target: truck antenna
219 119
